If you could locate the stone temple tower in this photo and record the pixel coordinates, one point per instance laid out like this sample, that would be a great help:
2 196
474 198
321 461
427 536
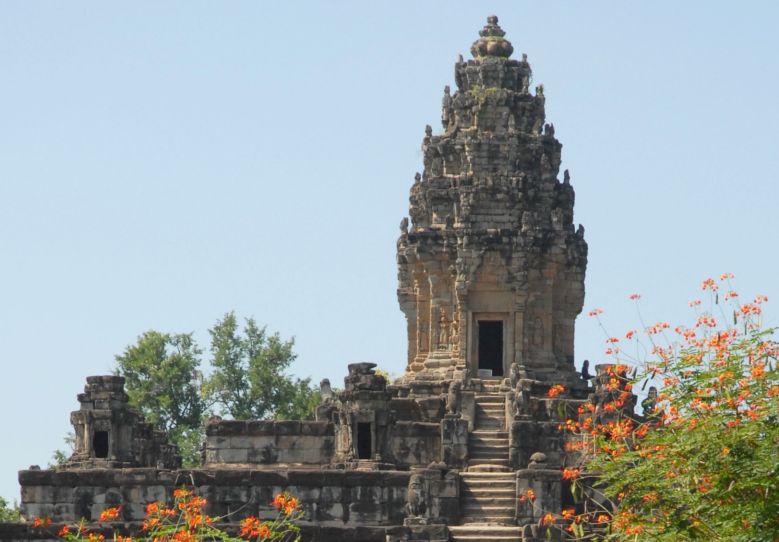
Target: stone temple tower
491 269
491 279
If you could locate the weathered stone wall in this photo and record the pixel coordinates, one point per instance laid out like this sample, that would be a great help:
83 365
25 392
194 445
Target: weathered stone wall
269 442
328 497
414 444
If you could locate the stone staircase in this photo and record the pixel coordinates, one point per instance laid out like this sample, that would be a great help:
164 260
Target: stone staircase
488 443
488 496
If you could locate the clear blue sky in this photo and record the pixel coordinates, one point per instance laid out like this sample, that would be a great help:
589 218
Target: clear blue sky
163 163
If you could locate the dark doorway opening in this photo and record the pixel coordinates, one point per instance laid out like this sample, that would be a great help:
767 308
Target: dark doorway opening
364 448
491 346
100 444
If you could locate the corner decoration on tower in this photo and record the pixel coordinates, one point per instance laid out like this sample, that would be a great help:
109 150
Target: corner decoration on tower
491 279
491 273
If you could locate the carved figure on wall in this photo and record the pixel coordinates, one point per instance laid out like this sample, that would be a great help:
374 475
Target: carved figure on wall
454 337
447 106
513 375
537 335
453 397
346 434
325 391
404 226
416 497
521 399
443 332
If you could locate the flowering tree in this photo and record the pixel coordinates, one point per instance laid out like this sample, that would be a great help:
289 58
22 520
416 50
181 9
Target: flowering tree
185 521
702 462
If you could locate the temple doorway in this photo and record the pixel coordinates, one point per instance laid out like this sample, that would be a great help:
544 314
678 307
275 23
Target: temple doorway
364 441
100 444
491 346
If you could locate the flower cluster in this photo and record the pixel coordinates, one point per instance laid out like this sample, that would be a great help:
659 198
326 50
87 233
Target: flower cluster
185 521
701 461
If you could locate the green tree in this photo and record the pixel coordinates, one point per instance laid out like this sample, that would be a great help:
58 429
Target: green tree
249 379
8 514
164 383
60 457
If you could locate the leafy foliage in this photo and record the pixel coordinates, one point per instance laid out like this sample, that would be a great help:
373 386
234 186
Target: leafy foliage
248 379
164 383
703 464
60 457
8 514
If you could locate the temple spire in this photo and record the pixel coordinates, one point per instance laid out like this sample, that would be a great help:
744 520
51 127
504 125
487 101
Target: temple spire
491 41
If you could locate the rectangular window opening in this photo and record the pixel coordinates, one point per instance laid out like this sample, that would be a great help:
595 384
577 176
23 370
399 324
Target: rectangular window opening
100 444
491 346
364 444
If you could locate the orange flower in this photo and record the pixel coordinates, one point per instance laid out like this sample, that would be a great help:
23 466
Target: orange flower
95 537
555 390
757 371
182 492
185 536
110 514
568 513
548 519
41 522
571 474
649 497
152 508
291 505
279 501
250 527
65 531
709 284
602 518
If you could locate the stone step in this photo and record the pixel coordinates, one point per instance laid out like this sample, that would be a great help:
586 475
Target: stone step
475 446
506 503
486 476
476 511
478 466
490 520
496 490
490 413
489 434
482 399
485 533
482 440
497 444
484 502
496 425
495 454
489 419
496 413
489 461
482 416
